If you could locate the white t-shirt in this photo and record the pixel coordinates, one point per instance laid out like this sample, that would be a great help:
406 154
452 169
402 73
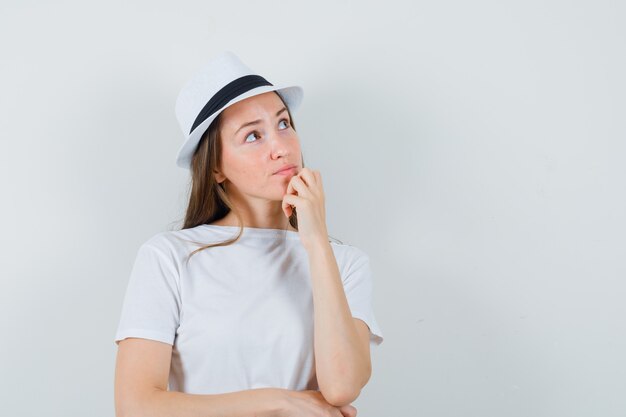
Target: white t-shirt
240 316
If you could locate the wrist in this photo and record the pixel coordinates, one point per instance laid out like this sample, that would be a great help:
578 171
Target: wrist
274 403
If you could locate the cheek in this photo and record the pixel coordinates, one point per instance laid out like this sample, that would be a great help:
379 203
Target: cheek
251 172
294 143
236 167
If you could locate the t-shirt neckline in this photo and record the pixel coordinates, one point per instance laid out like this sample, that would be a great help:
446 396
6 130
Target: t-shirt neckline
256 231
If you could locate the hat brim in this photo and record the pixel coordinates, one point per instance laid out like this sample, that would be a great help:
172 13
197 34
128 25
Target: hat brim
292 95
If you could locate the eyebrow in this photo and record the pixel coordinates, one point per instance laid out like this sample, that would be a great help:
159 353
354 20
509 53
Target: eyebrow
258 120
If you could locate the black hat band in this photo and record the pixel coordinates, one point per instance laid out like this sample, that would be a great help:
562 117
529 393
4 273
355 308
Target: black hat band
231 90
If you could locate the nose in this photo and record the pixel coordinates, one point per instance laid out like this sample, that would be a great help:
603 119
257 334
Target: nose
279 143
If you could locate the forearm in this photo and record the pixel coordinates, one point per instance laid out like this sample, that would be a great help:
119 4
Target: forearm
261 402
339 361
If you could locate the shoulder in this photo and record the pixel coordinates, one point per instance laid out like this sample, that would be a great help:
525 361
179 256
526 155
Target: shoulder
348 249
173 243
349 256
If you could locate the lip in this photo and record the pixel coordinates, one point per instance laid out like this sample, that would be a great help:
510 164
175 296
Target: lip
286 170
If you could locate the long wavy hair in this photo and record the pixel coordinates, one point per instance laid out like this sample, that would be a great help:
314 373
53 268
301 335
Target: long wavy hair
208 201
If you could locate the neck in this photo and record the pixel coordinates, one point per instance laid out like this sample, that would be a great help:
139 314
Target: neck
231 220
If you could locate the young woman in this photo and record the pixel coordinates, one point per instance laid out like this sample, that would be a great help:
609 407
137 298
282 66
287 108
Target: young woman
250 309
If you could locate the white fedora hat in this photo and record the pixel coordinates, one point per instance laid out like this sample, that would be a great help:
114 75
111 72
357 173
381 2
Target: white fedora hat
222 81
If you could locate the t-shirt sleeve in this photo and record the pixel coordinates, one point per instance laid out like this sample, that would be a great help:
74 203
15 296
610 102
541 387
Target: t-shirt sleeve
151 307
358 286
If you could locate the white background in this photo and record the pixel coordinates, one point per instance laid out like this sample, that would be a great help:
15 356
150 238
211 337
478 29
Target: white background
475 150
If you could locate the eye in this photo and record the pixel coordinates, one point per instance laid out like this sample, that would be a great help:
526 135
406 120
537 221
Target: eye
250 134
286 122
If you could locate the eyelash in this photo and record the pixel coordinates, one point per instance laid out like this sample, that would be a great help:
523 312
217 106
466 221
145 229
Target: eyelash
254 131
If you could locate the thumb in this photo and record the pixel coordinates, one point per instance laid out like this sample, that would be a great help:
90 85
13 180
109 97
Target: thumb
348 410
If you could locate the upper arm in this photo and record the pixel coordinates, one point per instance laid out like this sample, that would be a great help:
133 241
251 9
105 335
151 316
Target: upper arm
142 366
364 345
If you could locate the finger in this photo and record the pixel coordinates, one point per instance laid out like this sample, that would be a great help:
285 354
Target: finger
318 178
296 183
308 176
287 203
286 208
336 412
348 410
290 186
318 183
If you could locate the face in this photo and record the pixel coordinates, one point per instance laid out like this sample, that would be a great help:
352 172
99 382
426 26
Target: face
253 152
